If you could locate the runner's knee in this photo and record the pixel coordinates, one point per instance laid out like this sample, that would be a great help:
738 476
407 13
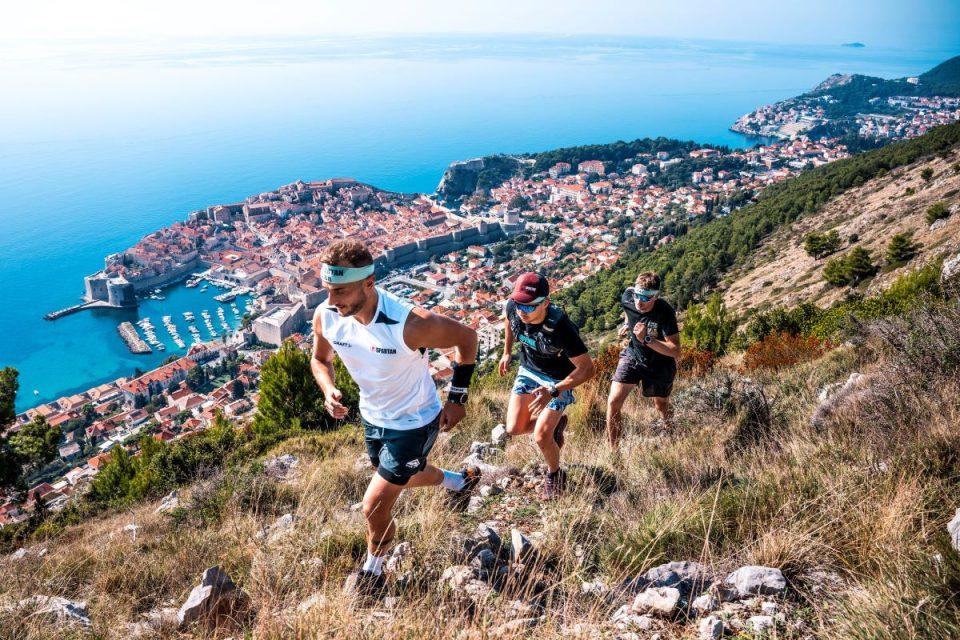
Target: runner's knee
372 508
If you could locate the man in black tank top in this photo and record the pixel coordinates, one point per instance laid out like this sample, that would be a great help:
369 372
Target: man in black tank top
553 361
650 359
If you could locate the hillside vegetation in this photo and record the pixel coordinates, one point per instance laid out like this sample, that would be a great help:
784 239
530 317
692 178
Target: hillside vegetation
844 483
781 271
695 263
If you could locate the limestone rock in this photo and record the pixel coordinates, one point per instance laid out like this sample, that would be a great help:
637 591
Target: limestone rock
488 490
951 267
520 546
63 610
760 624
625 618
457 576
499 436
953 528
281 467
688 577
659 601
475 504
487 534
170 502
710 628
216 597
704 604
756 580
398 557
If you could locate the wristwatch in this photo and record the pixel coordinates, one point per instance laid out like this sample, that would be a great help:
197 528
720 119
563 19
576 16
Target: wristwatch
647 338
554 392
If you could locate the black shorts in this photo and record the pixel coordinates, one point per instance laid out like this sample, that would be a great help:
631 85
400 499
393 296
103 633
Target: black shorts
400 454
629 371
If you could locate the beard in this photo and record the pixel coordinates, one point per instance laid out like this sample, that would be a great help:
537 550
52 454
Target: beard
352 310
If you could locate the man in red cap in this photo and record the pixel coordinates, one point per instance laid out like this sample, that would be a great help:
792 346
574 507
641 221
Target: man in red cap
553 361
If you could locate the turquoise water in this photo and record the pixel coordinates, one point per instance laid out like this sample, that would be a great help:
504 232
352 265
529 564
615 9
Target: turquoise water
99 147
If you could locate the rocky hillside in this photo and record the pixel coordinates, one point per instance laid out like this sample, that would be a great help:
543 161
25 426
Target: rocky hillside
779 271
807 501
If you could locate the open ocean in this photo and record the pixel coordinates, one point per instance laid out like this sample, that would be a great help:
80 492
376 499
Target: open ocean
101 145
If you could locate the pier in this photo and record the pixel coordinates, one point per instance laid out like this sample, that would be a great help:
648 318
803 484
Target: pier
134 342
94 304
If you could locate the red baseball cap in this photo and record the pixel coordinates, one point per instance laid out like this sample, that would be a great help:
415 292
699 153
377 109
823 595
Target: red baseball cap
530 287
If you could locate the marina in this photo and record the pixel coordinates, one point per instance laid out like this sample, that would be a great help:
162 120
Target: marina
145 335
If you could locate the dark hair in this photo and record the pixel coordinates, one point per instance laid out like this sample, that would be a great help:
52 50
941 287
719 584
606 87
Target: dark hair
648 280
347 253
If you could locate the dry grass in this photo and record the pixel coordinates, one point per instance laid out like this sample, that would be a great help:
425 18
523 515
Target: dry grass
862 499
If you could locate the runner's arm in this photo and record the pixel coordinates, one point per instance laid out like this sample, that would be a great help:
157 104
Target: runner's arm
507 337
427 330
584 371
669 346
321 363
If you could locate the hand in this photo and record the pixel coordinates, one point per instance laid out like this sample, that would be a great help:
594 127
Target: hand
450 415
622 332
640 330
504 364
332 404
541 398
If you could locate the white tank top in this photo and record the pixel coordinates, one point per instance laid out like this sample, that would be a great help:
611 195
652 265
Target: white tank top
396 390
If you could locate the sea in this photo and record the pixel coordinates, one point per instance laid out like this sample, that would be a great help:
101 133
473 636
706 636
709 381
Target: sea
104 142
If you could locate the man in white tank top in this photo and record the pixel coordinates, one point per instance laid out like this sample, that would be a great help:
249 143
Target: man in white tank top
382 341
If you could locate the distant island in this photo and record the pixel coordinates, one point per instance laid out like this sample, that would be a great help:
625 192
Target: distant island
859 106
854 45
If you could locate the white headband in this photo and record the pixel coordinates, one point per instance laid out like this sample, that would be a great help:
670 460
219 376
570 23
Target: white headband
344 275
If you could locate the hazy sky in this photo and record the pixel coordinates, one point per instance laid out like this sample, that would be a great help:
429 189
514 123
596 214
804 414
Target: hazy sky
886 23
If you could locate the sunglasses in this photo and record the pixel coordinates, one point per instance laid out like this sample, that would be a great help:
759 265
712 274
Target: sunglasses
645 295
528 308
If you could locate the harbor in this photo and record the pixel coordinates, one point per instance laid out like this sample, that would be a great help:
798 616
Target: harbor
179 328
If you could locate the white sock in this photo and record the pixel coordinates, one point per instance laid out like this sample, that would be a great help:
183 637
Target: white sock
453 481
374 564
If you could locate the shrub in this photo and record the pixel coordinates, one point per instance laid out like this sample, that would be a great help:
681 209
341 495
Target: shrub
937 211
835 272
708 326
695 362
902 248
851 269
818 245
783 350
926 174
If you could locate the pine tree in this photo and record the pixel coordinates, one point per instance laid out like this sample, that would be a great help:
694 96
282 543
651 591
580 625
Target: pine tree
112 483
36 443
8 394
859 265
708 326
819 245
836 273
902 248
289 396
937 211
